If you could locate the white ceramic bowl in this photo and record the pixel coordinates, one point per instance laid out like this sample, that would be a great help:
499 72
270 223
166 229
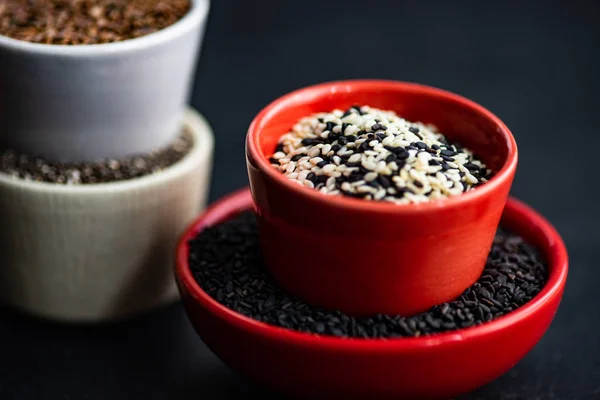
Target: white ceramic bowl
86 102
103 251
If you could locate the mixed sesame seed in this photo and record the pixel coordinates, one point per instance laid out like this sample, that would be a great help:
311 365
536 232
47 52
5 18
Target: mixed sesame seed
374 154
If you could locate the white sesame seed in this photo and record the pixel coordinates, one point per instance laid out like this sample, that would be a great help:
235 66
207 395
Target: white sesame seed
371 176
315 160
302 175
368 164
388 140
350 130
380 166
366 189
326 149
315 151
380 194
329 168
470 178
355 158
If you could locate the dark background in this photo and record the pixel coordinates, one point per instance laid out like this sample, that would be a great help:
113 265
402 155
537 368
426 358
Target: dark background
535 64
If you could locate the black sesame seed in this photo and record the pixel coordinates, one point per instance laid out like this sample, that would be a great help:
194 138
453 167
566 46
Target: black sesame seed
446 158
329 126
351 138
273 161
390 158
310 141
336 148
384 181
342 140
377 127
297 157
363 146
356 176
472 167
321 164
332 137
279 148
420 145
448 153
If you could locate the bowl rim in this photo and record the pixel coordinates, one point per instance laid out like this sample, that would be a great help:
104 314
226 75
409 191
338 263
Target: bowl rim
551 245
202 149
196 15
310 93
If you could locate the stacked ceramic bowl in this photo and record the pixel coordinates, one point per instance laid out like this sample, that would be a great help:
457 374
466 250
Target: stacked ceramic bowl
78 103
361 258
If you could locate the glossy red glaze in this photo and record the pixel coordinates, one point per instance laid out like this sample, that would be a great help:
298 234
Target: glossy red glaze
364 257
435 367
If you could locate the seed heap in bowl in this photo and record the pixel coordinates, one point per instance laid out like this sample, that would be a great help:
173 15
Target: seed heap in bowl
374 154
227 262
75 22
23 166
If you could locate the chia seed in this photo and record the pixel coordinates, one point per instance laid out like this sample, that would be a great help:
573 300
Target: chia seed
23 166
226 258
412 155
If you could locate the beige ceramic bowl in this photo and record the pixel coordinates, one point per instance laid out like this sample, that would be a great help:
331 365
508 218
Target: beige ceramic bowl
104 251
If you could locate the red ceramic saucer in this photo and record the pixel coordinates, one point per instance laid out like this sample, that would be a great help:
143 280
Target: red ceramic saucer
434 367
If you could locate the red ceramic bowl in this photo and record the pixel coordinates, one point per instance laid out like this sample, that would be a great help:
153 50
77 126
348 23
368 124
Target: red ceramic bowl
310 366
365 257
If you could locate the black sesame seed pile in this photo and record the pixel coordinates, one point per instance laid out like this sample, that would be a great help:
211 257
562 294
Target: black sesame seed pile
23 166
227 263
373 154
